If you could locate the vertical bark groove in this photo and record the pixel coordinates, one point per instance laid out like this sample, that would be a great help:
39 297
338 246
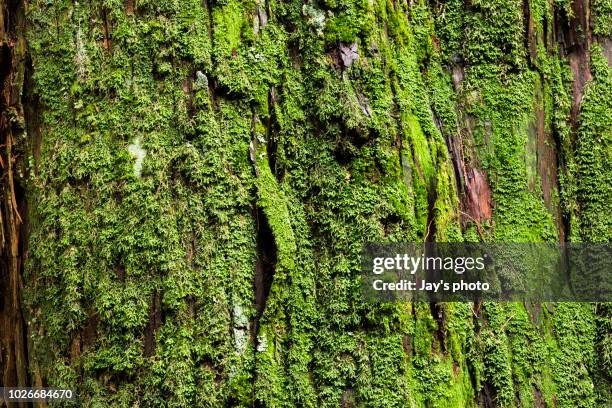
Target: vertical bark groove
13 337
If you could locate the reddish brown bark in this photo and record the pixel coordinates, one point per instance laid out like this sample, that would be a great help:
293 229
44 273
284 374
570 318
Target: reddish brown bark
13 348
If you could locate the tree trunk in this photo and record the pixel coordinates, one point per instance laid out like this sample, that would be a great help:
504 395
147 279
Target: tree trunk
201 177
13 355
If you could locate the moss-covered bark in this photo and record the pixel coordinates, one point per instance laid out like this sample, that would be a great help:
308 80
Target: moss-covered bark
207 173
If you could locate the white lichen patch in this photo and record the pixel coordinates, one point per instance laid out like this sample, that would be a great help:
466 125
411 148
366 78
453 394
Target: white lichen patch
241 323
262 343
138 153
81 59
315 18
201 81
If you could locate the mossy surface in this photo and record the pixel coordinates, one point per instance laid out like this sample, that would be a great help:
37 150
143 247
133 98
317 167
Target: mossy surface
140 280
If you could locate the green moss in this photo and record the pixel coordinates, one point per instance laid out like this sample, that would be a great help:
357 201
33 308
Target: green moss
343 156
602 12
594 190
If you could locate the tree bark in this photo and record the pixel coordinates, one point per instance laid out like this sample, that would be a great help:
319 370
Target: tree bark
201 176
13 350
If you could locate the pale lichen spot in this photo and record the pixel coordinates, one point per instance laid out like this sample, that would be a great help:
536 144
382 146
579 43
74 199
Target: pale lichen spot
81 59
315 18
241 323
137 152
262 343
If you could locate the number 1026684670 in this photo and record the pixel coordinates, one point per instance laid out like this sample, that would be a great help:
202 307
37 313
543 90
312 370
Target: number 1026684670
36 394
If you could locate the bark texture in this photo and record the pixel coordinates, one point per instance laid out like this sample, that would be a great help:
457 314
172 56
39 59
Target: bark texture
13 356
201 176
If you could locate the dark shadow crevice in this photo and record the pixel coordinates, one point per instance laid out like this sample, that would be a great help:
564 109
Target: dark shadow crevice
264 269
13 210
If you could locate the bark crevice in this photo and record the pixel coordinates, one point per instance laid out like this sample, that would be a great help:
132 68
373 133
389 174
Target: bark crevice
13 214
264 269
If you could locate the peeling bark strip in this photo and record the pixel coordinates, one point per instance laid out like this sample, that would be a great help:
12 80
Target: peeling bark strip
13 347
154 323
107 28
547 165
474 190
478 200
531 40
576 37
